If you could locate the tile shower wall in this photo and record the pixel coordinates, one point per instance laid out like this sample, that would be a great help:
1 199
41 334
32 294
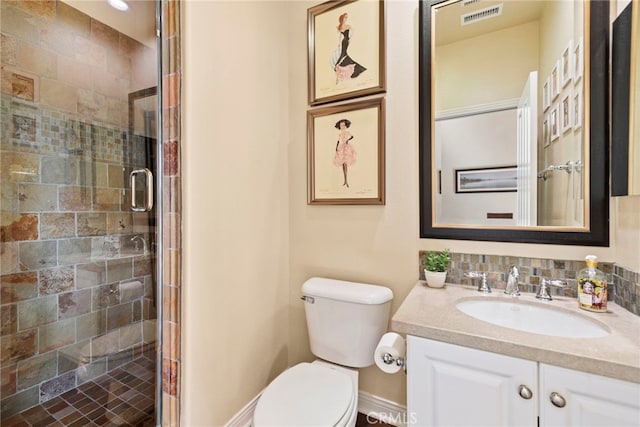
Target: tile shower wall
624 285
76 284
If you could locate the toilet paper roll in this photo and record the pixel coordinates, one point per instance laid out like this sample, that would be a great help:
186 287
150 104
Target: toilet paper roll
393 345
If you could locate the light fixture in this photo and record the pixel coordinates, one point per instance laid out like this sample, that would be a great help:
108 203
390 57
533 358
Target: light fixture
119 4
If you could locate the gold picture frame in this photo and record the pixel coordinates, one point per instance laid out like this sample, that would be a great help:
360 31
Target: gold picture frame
346 154
346 50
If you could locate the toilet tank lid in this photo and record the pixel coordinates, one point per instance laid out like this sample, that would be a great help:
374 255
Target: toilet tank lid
341 290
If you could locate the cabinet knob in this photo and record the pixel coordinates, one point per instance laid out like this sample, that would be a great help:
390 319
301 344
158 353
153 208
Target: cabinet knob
525 392
557 400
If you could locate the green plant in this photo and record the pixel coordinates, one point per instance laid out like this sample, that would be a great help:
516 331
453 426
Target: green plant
437 261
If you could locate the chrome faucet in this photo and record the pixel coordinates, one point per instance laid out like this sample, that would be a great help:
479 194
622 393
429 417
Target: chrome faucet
543 292
136 239
484 285
512 281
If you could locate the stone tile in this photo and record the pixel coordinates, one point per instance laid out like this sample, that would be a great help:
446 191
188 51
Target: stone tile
18 287
105 344
142 266
41 8
8 258
118 176
16 227
73 304
107 199
56 280
37 197
92 224
119 269
19 402
91 371
74 198
90 53
74 251
130 335
172 267
171 193
54 225
171 339
17 347
8 319
8 376
171 158
55 94
91 325
24 128
119 315
119 222
56 335
57 386
118 64
37 416
73 20
109 84
19 167
91 104
8 49
19 24
88 275
38 255
105 246
60 40
36 369
75 73
37 311
59 170
104 35
170 377
131 291
37 60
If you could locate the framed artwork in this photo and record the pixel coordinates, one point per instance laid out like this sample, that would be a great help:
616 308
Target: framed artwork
566 64
578 63
577 109
566 123
546 140
487 180
346 50
345 154
555 80
546 95
554 125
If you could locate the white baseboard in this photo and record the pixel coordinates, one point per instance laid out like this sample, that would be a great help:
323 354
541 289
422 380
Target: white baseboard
244 417
368 404
382 409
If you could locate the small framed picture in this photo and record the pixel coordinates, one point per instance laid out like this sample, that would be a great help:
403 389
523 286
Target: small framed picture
554 125
546 140
555 81
546 95
578 63
565 113
577 109
345 154
566 64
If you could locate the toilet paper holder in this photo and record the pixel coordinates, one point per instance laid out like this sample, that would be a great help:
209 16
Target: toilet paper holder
388 359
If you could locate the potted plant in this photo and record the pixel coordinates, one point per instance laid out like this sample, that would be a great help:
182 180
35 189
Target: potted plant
435 268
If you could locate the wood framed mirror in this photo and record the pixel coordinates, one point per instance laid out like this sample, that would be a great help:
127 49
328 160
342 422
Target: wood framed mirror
540 121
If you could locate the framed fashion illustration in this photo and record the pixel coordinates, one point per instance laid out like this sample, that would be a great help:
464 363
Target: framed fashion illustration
345 154
346 50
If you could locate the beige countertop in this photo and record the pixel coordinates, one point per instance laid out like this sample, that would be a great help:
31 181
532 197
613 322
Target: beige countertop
432 313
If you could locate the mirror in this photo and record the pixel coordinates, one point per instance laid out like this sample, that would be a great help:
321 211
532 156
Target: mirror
625 107
513 147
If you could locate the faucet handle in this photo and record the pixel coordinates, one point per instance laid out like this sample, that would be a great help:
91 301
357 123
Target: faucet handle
543 292
483 286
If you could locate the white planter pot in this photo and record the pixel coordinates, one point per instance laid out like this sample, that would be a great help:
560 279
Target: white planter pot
435 279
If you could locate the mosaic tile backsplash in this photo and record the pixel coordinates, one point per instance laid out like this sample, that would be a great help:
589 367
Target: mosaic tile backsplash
624 285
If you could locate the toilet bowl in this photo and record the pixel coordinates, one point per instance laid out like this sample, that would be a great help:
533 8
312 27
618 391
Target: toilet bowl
310 394
345 321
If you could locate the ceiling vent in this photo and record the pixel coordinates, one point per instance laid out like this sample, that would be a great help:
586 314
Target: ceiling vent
482 14
469 2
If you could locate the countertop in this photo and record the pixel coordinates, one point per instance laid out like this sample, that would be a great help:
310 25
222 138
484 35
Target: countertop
432 313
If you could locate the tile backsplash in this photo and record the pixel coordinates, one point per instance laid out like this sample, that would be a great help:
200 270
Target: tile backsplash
624 284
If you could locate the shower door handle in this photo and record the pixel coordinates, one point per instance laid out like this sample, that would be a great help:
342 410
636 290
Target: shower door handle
149 190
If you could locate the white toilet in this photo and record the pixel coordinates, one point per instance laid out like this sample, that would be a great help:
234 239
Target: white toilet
345 322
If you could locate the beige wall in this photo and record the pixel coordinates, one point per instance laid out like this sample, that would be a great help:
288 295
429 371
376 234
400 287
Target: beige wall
241 292
235 227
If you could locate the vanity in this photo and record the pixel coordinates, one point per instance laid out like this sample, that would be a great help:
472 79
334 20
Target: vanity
466 371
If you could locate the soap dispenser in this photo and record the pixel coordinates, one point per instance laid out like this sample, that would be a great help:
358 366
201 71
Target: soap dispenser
592 286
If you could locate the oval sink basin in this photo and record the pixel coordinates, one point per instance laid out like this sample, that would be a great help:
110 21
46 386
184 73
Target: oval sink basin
533 318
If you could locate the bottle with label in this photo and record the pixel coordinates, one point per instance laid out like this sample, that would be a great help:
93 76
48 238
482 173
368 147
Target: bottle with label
592 286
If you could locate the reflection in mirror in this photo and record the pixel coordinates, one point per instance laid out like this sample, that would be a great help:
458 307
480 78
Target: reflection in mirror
507 138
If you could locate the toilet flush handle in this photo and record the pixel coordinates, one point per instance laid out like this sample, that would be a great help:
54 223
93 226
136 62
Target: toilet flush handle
310 300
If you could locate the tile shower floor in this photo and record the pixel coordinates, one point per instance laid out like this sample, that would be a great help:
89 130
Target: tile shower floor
122 397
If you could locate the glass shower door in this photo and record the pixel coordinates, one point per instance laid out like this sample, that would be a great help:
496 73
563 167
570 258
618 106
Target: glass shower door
78 303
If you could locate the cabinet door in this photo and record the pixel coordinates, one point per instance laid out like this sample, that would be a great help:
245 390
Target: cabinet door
450 385
590 400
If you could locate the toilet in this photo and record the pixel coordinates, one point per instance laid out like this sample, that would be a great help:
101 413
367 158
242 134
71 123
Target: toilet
345 321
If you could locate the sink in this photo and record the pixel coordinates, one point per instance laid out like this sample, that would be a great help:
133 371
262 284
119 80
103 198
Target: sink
534 318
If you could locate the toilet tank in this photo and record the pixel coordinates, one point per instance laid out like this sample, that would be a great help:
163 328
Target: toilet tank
345 319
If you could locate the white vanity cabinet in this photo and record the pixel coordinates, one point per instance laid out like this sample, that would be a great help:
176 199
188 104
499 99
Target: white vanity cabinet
451 385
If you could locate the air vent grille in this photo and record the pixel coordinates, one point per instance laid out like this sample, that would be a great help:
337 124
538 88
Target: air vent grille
482 14
469 2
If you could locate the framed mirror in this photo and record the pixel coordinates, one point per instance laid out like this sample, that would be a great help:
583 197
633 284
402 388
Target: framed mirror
514 121
625 103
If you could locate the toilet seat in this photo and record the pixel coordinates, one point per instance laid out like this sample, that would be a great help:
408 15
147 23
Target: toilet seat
308 394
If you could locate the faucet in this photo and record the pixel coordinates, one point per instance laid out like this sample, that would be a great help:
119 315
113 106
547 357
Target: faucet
136 242
543 292
483 286
512 281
